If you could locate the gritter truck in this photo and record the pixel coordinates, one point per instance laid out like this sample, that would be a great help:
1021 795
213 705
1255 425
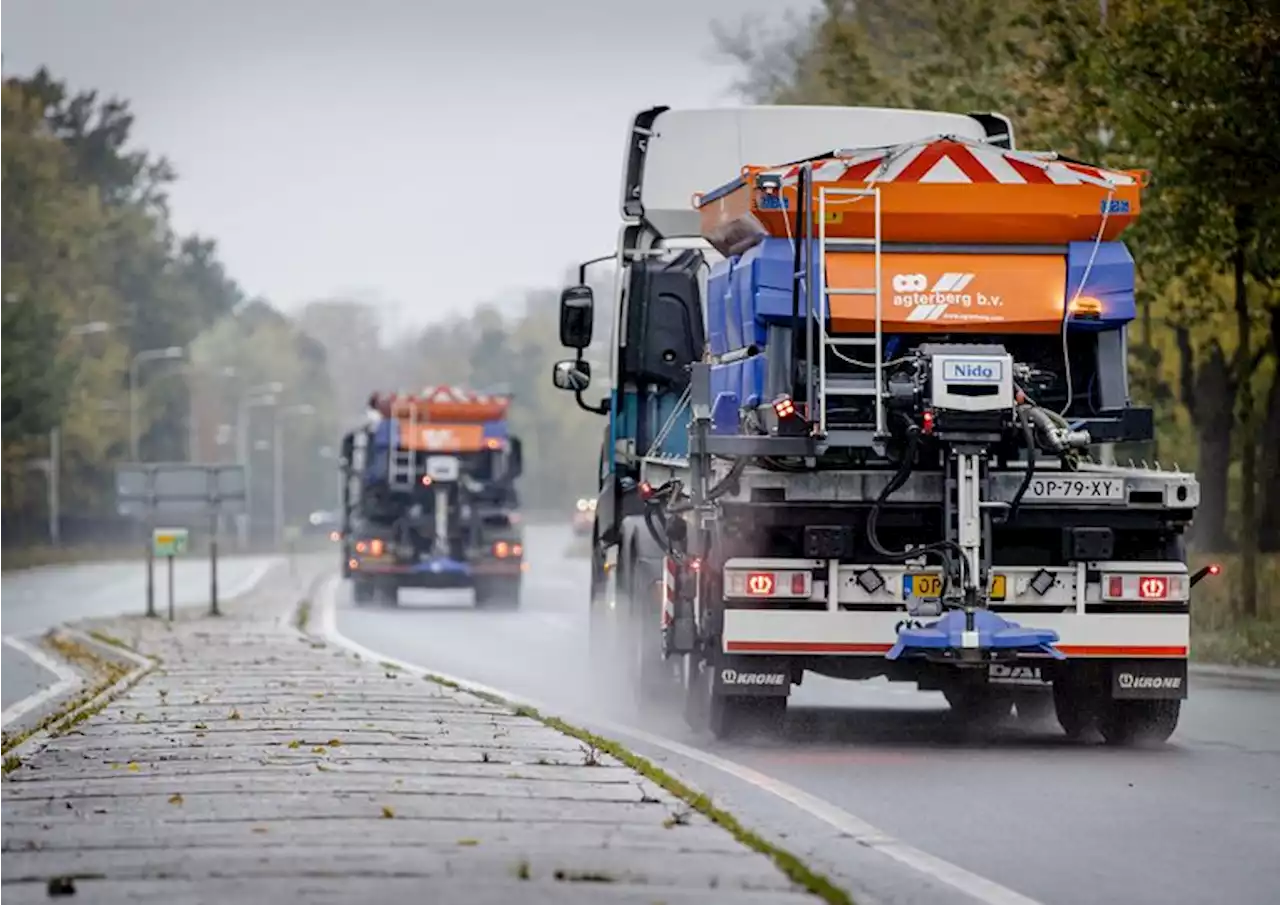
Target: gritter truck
867 378
429 497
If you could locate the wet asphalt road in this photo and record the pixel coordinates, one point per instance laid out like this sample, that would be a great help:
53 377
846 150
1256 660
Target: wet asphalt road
1197 821
32 601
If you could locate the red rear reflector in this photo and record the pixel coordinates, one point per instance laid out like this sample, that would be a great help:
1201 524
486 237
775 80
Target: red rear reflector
760 584
797 584
1153 587
1115 586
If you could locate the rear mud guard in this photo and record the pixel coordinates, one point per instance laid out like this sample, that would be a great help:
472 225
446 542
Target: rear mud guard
750 676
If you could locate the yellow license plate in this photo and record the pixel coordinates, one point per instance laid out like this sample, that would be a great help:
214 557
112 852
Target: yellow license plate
928 586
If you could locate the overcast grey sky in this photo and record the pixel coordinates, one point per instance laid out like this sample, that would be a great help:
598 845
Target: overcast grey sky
427 154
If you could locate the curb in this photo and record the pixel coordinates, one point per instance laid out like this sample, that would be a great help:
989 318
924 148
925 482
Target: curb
60 721
74 700
790 865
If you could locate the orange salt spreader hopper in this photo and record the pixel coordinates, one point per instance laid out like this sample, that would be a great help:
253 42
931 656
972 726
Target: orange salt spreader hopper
941 191
974 238
444 418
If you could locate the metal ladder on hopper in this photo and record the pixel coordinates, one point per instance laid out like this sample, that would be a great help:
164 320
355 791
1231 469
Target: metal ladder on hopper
828 386
402 467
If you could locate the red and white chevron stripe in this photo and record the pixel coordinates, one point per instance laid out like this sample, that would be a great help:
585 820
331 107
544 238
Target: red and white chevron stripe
670 572
954 161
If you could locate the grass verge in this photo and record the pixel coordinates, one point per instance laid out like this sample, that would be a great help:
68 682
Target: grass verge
105 684
1219 633
19 558
791 866
302 615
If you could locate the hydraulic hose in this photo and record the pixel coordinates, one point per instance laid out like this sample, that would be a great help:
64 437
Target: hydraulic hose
1029 437
728 481
895 483
659 535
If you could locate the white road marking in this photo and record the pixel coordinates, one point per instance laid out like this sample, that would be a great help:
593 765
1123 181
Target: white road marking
249 582
976 887
68 680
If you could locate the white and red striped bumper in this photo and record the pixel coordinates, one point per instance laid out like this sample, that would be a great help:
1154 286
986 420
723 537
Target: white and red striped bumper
847 633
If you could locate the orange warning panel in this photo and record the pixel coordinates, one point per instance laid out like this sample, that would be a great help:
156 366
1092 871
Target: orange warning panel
442 438
444 403
944 191
931 293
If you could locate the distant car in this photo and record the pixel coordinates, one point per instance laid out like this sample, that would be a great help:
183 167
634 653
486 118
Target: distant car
324 522
584 517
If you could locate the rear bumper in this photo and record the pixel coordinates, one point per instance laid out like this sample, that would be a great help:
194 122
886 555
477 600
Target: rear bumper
437 573
872 634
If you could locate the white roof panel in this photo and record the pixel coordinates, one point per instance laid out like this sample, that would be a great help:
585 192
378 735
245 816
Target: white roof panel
694 151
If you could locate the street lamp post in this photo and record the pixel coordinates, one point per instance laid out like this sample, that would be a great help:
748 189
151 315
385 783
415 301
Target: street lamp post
166 354
254 397
282 415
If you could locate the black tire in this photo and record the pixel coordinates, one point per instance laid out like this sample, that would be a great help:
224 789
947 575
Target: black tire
650 676
728 716
1139 722
978 706
605 634
1034 708
498 593
361 591
1077 709
733 716
388 594
697 693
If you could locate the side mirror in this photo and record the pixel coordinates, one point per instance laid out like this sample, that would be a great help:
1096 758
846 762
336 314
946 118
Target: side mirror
577 304
516 465
571 375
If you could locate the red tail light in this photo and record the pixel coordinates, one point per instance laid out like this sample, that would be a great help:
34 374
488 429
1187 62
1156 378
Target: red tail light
798 584
1153 587
760 584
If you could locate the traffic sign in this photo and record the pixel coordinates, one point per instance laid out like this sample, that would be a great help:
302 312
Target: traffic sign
169 541
179 488
155 491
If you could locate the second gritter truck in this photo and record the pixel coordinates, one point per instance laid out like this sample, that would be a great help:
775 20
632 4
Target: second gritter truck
868 371
429 497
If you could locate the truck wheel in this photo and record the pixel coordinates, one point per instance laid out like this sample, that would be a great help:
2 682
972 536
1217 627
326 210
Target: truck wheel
978 706
727 716
498 593
361 591
1033 708
733 716
650 674
604 637
697 692
1076 706
1139 722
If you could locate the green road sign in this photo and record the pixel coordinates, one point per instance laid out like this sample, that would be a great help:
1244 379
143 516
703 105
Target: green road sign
169 541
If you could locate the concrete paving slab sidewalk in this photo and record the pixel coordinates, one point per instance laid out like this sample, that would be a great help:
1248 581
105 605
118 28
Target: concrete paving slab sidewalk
258 765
